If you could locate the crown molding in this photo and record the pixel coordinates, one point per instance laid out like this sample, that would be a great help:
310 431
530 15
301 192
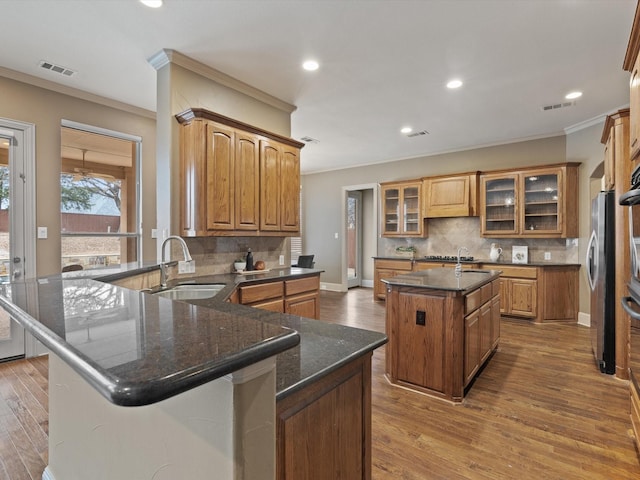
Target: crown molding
166 56
74 92
600 119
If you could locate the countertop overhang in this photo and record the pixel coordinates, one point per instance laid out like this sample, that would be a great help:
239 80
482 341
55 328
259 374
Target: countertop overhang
444 279
136 348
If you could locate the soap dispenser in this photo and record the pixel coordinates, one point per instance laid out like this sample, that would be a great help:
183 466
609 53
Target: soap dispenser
249 260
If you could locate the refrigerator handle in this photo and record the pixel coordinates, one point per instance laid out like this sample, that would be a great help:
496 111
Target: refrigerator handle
625 305
592 252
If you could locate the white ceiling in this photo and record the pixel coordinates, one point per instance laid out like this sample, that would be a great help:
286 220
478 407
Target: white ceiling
383 64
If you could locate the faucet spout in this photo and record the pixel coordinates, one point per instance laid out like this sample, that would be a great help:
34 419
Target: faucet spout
163 264
458 269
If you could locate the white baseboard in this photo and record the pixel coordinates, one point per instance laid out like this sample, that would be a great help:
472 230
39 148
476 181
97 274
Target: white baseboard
367 283
47 475
333 287
584 319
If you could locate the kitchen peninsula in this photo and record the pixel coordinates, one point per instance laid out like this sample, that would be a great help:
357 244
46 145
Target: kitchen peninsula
143 386
442 328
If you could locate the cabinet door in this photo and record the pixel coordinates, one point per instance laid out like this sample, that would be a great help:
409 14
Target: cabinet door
420 348
391 211
495 322
247 182
290 190
499 207
305 305
484 320
471 345
634 126
379 286
505 297
446 197
411 210
523 296
540 200
220 213
609 162
269 186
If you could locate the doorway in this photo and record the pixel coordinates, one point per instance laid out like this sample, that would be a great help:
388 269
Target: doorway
17 221
354 239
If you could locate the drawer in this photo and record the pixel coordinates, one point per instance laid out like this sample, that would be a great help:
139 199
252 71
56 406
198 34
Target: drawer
262 291
486 292
472 301
517 272
394 264
495 288
301 285
271 305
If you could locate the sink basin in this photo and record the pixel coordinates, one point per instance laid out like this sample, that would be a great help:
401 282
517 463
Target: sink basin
191 292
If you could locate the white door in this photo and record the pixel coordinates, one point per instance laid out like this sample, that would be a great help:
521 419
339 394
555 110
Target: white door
17 213
354 239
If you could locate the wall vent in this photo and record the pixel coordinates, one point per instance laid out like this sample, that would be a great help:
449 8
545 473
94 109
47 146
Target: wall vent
417 134
67 72
309 140
556 106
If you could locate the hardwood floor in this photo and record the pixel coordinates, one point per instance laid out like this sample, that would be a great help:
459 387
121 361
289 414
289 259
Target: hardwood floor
539 410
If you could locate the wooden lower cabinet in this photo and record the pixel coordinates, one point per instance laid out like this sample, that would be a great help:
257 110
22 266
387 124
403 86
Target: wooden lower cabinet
439 339
323 432
299 296
387 268
520 297
635 412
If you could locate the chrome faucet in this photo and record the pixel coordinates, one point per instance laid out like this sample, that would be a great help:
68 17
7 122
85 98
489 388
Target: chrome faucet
458 269
163 264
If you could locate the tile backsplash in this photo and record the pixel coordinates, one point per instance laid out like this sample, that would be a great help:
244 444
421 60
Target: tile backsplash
446 235
216 254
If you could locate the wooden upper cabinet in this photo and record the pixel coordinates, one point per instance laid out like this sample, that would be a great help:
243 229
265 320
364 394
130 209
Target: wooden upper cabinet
535 203
402 209
632 64
280 192
450 196
236 179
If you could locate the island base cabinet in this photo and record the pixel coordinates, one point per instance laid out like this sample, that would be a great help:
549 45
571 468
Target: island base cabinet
324 430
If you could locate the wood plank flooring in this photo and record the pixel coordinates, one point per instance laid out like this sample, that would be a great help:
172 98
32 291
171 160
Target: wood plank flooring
540 410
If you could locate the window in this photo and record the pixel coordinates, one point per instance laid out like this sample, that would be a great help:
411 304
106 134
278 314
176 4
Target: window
98 198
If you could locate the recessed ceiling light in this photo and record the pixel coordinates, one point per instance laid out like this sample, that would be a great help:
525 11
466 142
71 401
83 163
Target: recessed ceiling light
310 65
152 3
572 95
454 83
406 130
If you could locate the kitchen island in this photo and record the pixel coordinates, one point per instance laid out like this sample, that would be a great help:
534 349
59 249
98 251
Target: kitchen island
142 386
442 329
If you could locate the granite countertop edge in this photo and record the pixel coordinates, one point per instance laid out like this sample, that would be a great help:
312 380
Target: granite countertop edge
441 280
481 261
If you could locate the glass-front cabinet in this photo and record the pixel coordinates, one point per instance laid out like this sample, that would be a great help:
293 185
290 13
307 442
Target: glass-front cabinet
402 209
538 202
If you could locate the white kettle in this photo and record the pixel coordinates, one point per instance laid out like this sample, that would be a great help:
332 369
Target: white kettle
495 252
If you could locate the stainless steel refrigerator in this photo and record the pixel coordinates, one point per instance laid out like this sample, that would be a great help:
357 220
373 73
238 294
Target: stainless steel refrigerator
600 263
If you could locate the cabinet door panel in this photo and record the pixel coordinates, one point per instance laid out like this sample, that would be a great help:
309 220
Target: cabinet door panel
421 348
247 182
634 127
499 205
290 190
305 305
471 345
269 186
523 296
486 343
541 199
495 322
220 177
447 197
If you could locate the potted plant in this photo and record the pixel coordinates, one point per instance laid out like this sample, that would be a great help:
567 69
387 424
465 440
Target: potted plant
406 252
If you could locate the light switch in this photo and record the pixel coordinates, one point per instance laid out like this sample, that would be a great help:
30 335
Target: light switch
42 232
335 235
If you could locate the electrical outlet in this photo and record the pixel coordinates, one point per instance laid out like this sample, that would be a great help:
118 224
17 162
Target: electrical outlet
42 232
421 317
547 255
281 260
187 267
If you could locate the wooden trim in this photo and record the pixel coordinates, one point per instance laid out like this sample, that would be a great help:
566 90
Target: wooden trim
195 113
610 122
633 47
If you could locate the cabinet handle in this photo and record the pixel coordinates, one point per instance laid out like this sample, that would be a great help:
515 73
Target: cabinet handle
635 140
625 305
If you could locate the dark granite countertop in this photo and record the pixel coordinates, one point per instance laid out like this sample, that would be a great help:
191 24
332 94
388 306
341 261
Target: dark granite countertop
444 279
137 348
483 261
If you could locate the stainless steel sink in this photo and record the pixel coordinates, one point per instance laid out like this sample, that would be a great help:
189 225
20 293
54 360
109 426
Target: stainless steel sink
192 292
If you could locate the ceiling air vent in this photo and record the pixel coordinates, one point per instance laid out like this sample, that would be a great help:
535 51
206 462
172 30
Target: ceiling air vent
557 106
309 140
417 134
67 72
